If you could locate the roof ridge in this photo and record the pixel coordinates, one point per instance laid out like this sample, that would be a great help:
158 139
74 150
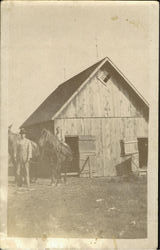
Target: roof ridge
80 72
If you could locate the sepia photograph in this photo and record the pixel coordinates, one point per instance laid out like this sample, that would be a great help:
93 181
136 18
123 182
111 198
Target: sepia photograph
80 101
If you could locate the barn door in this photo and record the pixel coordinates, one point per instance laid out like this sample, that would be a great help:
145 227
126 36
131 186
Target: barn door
72 141
87 155
84 155
143 151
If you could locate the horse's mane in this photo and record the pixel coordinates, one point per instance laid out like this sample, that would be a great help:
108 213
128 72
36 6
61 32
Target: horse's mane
50 138
53 140
48 134
55 144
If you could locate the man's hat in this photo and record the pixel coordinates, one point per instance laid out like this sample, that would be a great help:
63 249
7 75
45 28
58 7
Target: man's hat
23 131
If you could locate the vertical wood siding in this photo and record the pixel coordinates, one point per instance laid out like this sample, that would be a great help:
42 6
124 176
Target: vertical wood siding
108 133
111 113
111 99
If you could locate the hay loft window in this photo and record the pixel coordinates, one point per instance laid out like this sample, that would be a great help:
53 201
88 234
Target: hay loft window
104 77
107 78
128 147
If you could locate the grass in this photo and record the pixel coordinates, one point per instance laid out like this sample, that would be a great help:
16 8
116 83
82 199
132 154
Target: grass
87 208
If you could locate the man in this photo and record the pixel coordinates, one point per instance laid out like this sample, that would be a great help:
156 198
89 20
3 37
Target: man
24 155
59 134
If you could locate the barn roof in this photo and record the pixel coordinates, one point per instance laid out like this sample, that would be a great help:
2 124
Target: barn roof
58 99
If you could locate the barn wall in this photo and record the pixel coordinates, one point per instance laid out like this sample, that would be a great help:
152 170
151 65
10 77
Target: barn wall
108 133
112 99
111 112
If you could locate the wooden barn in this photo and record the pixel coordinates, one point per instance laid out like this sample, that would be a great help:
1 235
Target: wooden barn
102 117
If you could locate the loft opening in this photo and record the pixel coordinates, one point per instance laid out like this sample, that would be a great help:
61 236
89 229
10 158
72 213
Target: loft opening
72 141
139 146
143 151
107 78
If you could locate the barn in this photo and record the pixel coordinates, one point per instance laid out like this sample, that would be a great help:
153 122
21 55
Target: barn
102 117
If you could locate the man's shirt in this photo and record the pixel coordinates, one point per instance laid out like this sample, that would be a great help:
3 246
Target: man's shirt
24 150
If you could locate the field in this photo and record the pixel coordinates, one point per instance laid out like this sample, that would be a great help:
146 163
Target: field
88 208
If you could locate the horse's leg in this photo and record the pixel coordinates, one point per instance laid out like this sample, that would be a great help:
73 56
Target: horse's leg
15 172
14 163
58 173
35 173
31 173
52 174
18 175
65 174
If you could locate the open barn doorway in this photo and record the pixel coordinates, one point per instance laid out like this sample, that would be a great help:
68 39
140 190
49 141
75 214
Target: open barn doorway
143 152
72 141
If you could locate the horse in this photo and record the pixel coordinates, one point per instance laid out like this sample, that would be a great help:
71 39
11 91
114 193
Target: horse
57 153
13 140
13 143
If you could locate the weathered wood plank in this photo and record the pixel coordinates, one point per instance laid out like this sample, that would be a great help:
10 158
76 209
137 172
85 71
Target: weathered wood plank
108 133
97 100
113 101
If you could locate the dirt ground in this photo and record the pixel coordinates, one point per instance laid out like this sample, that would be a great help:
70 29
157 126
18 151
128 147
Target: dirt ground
88 208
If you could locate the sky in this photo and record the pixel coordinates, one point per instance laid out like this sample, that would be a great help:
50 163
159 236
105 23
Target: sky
49 42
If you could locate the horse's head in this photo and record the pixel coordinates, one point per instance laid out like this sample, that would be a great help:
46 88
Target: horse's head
44 144
13 140
9 128
48 144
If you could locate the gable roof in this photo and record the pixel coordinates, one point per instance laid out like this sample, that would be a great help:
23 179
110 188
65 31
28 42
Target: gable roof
65 92
58 97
